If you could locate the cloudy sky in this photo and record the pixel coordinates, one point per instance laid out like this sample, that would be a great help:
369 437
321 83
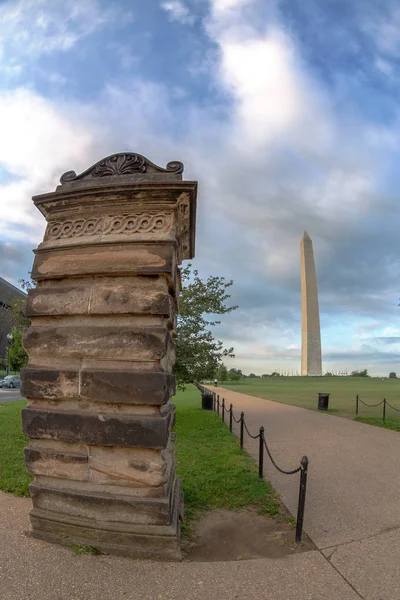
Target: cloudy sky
285 111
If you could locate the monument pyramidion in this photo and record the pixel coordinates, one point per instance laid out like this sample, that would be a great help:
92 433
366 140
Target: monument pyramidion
311 362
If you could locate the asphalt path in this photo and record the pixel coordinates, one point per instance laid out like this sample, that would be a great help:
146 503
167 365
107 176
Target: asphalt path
10 395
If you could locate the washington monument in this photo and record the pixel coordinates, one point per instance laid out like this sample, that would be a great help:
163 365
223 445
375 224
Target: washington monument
311 363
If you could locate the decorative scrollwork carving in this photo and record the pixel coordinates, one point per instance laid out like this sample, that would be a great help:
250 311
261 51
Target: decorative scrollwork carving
119 224
120 164
124 163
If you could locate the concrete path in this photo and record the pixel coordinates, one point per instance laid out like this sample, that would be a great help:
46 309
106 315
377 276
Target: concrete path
34 570
353 495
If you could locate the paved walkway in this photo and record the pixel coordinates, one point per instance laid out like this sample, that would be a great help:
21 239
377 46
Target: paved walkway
352 515
34 570
353 495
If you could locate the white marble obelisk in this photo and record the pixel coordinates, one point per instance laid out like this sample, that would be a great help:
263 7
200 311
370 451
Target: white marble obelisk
311 362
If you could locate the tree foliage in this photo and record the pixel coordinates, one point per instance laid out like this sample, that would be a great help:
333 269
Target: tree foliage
16 356
222 373
198 354
363 373
392 375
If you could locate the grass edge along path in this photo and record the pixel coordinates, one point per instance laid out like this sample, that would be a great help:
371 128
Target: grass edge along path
214 472
388 424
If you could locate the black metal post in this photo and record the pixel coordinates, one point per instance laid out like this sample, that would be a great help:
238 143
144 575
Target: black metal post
223 409
261 454
241 429
230 417
357 405
384 410
302 498
218 405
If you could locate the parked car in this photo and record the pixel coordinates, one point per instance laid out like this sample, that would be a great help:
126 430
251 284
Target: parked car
10 381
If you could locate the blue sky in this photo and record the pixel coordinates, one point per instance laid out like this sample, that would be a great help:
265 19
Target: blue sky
286 112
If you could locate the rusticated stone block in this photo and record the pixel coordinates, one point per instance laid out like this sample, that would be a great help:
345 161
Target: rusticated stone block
131 295
127 387
128 509
102 430
129 466
117 387
50 463
111 343
120 259
65 300
51 384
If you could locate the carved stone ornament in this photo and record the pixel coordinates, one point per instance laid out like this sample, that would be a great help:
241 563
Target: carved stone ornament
119 224
124 163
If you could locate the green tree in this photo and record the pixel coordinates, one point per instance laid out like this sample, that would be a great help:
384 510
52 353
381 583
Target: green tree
252 375
236 372
392 375
363 373
17 357
198 353
221 373
233 377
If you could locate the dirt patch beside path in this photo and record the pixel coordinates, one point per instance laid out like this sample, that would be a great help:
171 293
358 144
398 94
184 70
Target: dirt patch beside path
223 535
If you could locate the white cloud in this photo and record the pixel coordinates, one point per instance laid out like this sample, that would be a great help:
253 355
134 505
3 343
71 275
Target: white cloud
37 143
259 72
178 11
220 6
31 28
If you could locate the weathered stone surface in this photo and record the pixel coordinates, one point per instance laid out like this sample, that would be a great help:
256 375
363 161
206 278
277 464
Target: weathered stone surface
149 511
98 342
134 541
65 300
49 383
127 387
130 295
118 387
103 430
56 464
129 466
101 259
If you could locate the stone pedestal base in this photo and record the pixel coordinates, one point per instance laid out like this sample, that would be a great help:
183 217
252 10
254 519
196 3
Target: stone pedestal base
107 527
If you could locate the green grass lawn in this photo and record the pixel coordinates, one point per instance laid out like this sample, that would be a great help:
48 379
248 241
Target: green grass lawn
303 391
214 472
13 477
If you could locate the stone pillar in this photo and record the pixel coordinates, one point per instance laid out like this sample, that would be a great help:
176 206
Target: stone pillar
98 382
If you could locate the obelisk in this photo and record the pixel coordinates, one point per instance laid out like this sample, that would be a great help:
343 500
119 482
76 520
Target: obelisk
311 363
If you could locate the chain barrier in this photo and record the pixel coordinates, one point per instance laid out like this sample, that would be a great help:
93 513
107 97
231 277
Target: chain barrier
302 469
254 437
371 405
384 402
293 472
